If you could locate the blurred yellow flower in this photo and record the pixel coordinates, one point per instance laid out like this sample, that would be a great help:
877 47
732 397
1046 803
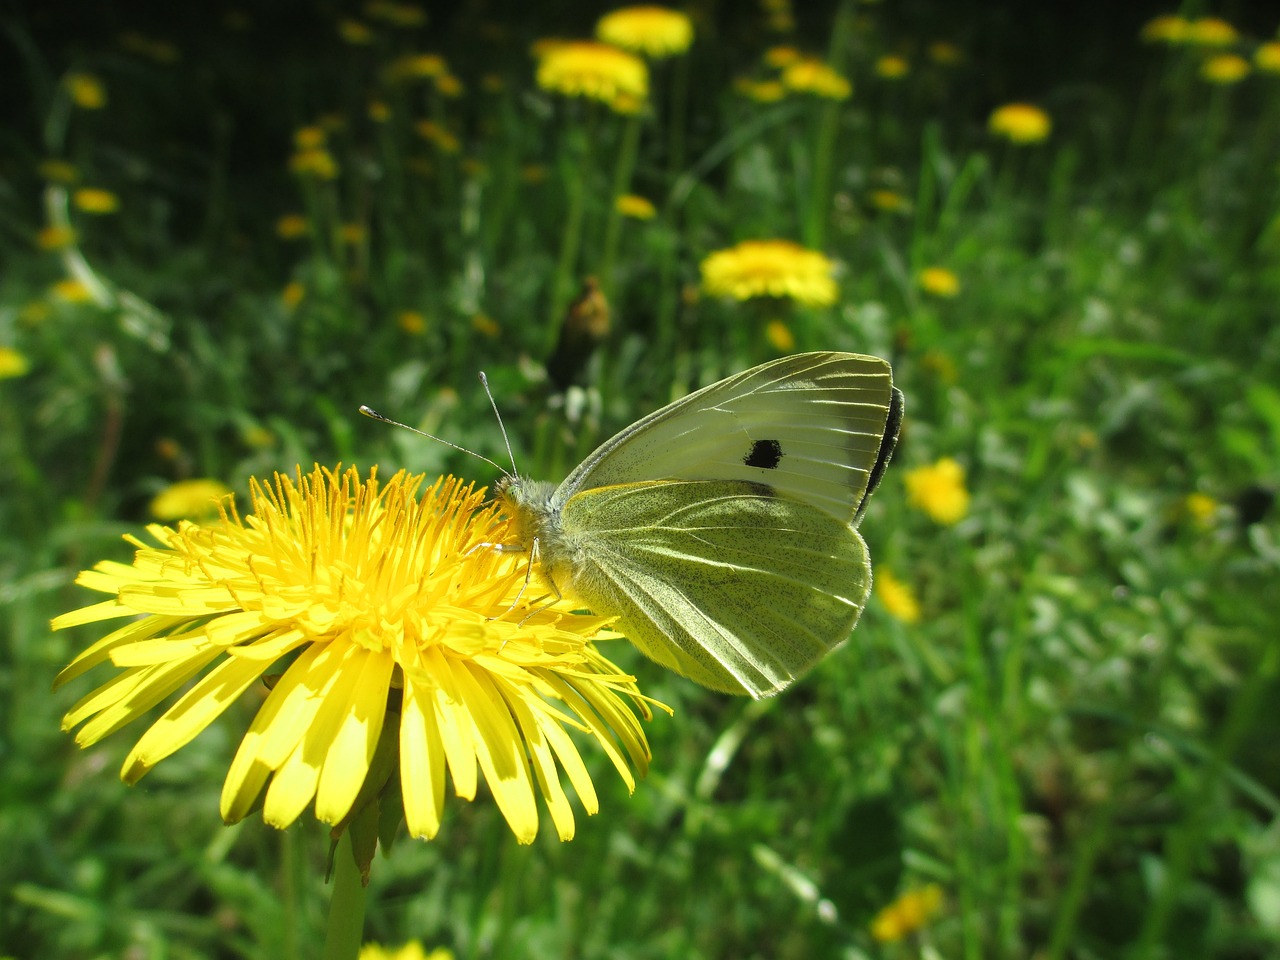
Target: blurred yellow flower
656 32
95 200
71 290
638 208
396 14
779 336
293 293
892 67
761 91
189 500
291 226
13 363
1200 508
596 70
890 201
432 132
811 75
779 57
411 322
86 90
1020 123
485 325
309 138
770 268
57 171
938 281
945 54
257 436
412 950
907 914
1211 32
314 163
400 656
939 491
417 66
352 234
449 85
1168 28
1267 57
354 32
57 237
1224 69
168 448
378 111
897 597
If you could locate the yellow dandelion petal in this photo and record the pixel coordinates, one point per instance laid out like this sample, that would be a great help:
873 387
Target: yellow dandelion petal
779 57
71 290
57 237
1211 32
1200 508
638 208
939 281
656 32
771 268
939 490
761 91
450 86
417 66
1166 29
595 70
1267 57
95 200
1224 69
1020 123
309 138
897 597
318 163
13 363
403 641
811 75
907 914
892 67
86 91
189 499
292 294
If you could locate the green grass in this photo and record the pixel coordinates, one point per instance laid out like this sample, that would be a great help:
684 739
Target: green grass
1077 741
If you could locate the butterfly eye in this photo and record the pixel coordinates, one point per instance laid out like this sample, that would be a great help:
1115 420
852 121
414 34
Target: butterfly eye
764 453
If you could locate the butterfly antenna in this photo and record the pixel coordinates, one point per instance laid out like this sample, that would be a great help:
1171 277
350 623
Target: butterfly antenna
484 382
375 415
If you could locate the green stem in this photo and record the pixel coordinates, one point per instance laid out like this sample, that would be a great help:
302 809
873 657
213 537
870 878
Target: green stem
820 192
575 172
345 928
622 171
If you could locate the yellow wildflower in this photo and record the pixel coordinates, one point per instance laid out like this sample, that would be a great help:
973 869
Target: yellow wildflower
596 70
411 322
779 336
57 237
86 90
771 268
318 163
1224 69
890 201
354 32
71 290
907 914
13 363
309 138
779 57
1267 57
95 200
656 32
449 86
396 14
1020 123
1211 32
412 950
292 294
892 67
939 491
1200 509
761 91
939 281
811 75
639 208
485 325
198 499
945 54
1168 28
417 66
291 226
897 597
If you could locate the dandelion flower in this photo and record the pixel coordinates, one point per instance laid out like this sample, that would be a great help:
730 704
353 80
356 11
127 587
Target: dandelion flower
761 91
56 237
485 325
892 67
417 66
638 208
291 226
890 201
779 57
897 597
770 268
939 490
1211 32
1267 57
292 294
411 322
396 14
13 363
317 163
907 914
1225 69
939 281
71 290
355 33
413 950
95 200
596 70
1199 508
945 54
779 336
811 75
309 138
189 500
1168 28
656 32
449 86
1020 123
86 90
395 636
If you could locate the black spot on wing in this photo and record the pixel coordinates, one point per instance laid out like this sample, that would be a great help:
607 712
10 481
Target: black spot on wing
764 453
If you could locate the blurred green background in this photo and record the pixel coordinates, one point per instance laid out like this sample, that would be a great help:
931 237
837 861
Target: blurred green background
227 227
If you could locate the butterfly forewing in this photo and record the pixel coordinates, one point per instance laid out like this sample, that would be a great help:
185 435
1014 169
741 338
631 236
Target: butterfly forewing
811 426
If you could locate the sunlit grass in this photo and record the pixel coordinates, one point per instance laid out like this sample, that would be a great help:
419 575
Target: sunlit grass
1057 717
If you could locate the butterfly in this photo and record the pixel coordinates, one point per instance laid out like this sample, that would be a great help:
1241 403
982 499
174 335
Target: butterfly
721 530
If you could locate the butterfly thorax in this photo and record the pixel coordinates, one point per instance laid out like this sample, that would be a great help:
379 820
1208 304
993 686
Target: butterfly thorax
528 507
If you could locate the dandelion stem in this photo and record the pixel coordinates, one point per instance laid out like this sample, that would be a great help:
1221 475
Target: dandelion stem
345 928
622 172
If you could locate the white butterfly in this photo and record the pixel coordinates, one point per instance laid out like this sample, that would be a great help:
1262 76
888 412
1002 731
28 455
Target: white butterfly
721 529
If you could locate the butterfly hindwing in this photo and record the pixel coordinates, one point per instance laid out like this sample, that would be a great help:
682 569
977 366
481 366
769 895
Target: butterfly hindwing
724 582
